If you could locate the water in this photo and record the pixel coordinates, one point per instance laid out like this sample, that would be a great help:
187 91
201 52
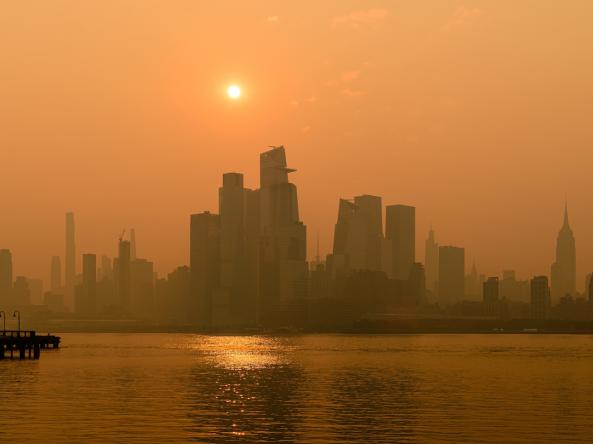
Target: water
122 388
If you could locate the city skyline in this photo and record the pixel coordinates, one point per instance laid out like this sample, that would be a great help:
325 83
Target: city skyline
299 221
486 150
579 282
248 266
32 267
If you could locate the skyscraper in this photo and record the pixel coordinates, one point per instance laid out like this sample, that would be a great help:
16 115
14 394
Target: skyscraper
358 233
369 218
400 227
540 297
431 261
282 252
35 290
132 244
590 289
56 274
490 295
252 254
106 270
491 290
473 287
232 301
346 210
123 276
86 291
142 288
5 276
451 274
21 294
417 283
563 271
70 271
204 262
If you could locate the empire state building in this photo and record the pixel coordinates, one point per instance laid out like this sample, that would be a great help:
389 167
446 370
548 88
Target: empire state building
564 269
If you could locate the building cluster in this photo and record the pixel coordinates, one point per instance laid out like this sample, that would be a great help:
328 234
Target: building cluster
554 298
248 268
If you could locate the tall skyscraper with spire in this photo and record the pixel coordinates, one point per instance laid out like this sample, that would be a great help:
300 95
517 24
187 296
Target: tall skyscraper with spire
564 269
70 269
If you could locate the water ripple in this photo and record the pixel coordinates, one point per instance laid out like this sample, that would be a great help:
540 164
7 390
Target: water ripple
316 388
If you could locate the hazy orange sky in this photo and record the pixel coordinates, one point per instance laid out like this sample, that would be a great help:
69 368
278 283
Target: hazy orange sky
479 113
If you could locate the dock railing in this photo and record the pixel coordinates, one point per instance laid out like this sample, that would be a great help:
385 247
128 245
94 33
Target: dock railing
18 333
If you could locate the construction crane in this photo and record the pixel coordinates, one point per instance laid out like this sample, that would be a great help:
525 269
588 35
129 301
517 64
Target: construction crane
121 236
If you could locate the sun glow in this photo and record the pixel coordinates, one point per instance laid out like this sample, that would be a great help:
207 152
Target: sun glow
234 92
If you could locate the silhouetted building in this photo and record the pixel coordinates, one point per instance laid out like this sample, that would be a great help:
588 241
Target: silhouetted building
368 223
431 262
123 276
5 276
400 228
86 291
513 289
491 290
590 289
417 283
252 254
338 262
490 296
346 210
132 244
108 302
106 270
142 288
70 270
358 234
563 273
173 297
282 251
319 282
451 274
56 274
35 291
473 290
20 292
204 259
54 302
235 300
540 297
387 256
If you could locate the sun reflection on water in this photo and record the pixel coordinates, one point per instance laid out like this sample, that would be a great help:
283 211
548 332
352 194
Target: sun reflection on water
240 352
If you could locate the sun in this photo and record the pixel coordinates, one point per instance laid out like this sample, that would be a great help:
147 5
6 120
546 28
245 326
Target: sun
234 92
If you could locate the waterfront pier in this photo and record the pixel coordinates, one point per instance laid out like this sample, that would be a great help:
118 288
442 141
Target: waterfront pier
25 344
